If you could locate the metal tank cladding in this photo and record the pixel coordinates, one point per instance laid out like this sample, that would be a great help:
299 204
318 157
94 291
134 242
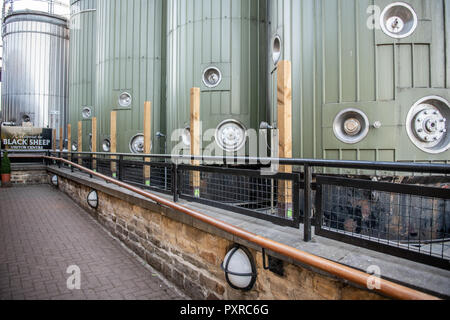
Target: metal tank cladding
370 78
131 70
215 46
82 69
35 57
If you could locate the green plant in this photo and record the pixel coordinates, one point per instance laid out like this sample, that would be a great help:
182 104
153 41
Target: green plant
6 164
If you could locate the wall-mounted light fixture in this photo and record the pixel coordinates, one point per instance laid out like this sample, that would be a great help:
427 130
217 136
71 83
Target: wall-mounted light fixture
92 199
239 268
55 180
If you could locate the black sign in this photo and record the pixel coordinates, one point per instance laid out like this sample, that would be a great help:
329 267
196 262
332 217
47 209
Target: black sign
23 138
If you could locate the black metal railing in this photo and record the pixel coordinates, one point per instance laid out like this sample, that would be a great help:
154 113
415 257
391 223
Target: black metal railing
402 209
274 198
403 220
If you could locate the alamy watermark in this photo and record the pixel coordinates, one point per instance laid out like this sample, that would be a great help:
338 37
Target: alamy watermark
74 280
374 281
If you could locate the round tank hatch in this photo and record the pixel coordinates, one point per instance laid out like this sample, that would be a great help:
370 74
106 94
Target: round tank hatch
212 77
351 126
398 20
428 124
137 144
276 49
106 145
125 100
86 113
231 135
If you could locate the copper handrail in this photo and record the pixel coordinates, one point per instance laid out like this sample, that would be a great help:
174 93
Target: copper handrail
360 278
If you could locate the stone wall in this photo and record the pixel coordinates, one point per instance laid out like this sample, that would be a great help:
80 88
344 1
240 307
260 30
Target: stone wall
28 174
191 257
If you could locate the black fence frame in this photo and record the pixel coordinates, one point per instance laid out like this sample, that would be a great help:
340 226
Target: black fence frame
380 245
293 177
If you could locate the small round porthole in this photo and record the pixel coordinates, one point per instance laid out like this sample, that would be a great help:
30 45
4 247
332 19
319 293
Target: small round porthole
276 49
351 126
106 145
86 113
125 100
212 77
398 20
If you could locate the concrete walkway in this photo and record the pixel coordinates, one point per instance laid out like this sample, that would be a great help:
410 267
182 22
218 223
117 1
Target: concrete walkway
43 233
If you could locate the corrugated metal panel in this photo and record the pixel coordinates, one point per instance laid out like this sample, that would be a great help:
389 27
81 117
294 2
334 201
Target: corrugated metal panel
339 62
131 58
35 84
83 54
224 34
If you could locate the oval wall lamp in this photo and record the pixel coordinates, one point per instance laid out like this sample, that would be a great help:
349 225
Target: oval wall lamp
92 199
55 180
239 268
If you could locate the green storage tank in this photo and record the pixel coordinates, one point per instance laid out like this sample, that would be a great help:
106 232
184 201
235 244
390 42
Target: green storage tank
131 70
82 74
371 79
215 46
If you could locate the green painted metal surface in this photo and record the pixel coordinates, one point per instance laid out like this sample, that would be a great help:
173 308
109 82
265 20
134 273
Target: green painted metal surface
227 35
82 74
339 62
131 59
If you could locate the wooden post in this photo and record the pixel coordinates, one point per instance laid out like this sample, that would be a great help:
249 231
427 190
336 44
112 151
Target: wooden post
94 143
54 140
69 140
195 138
147 139
61 139
114 142
284 88
80 141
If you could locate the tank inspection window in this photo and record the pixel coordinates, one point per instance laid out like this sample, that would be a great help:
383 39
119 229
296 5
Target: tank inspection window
86 113
212 77
398 20
125 100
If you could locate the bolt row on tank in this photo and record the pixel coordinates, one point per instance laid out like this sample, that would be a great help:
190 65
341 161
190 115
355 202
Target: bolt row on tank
370 78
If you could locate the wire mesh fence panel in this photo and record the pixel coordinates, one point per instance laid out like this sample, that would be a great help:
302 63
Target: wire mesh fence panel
410 218
104 166
271 198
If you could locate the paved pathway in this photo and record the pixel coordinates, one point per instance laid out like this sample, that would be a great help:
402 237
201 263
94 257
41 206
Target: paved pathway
43 233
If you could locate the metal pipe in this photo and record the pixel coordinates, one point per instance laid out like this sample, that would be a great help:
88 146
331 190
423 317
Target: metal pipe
387 288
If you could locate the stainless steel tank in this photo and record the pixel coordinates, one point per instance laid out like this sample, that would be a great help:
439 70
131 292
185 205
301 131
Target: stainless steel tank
34 87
